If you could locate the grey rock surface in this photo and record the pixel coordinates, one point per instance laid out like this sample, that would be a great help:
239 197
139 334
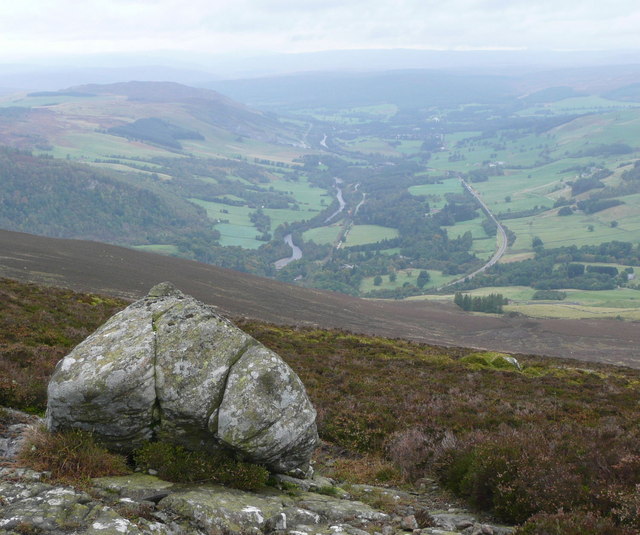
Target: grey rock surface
107 383
170 368
265 410
138 503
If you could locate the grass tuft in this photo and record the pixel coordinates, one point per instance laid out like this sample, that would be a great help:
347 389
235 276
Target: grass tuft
72 457
175 463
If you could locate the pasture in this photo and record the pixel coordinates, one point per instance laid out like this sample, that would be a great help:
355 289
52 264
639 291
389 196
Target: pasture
405 276
436 192
364 234
560 231
232 222
621 303
323 235
586 104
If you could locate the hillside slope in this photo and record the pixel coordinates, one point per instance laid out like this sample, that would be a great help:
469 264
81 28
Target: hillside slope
77 122
64 199
112 270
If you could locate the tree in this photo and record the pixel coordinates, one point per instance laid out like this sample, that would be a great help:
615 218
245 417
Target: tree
575 270
491 303
565 210
377 280
423 278
392 276
536 242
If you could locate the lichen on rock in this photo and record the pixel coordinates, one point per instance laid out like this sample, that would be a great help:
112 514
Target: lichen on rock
171 368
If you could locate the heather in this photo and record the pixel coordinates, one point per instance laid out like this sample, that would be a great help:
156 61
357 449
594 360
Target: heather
541 442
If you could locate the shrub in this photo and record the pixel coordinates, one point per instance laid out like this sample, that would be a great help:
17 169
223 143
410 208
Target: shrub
366 469
71 456
408 450
552 295
517 473
571 523
175 463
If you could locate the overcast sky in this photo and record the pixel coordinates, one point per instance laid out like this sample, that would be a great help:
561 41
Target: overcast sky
31 28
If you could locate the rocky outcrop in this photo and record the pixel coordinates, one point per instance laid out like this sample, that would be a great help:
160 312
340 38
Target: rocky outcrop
170 368
139 503
142 504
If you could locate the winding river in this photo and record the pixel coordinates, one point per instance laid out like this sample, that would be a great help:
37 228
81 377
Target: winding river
341 202
296 253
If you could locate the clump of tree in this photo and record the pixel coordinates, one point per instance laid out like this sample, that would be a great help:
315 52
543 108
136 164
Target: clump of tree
585 184
491 303
612 271
591 206
155 131
565 210
607 149
550 269
549 295
633 173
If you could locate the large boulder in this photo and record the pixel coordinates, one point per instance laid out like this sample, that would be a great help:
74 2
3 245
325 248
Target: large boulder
170 368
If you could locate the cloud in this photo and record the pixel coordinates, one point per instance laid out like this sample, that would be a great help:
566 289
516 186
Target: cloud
33 27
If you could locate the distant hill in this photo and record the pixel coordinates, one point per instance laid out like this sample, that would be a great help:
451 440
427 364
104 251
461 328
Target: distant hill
416 88
81 118
101 268
152 92
202 104
629 93
551 94
406 88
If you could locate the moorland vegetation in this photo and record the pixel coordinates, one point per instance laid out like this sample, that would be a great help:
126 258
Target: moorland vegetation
538 442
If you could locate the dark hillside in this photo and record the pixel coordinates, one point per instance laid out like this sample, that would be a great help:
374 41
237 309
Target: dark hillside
64 199
116 271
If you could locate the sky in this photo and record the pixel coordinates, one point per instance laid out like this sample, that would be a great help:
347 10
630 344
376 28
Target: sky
41 28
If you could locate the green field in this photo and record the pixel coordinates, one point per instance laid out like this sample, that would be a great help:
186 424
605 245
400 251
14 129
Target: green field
622 303
158 248
363 234
436 192
308 196
452 140
484 246
355 115
564 310
558 231
279 216
370 145
322 235
586 104
238 235
233 223
404 276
